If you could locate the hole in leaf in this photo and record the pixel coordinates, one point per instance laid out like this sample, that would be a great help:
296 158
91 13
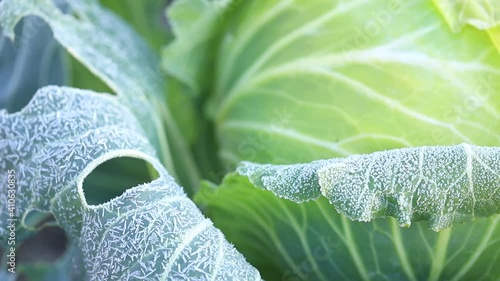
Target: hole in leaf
45 246
113 177
36 219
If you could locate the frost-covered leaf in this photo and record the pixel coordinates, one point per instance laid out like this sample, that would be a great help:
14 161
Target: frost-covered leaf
109 48
311 241
150 232
298 183
442 185
434 187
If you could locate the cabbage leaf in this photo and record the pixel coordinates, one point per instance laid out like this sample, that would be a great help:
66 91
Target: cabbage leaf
110 49
436 186
296 81
151 232
329 79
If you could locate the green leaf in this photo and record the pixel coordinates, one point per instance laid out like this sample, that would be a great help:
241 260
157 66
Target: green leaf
296 81
332 78
442 185
150 232
317 241
194 24
147 17
482 14
117 55
311 241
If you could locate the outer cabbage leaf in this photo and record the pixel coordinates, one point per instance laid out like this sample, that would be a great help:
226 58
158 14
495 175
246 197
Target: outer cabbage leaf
108 47
444 186
311 241
150 232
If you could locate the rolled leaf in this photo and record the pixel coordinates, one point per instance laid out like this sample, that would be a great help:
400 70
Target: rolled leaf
442 185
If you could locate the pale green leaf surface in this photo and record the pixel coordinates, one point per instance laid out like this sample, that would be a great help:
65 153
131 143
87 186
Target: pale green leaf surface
329 79
117 55
150 232
482 14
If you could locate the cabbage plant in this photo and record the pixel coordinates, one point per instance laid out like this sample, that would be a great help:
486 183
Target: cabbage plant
280 140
